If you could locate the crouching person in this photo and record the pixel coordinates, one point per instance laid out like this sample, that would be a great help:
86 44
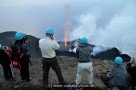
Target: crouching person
48 46
83 52
5 62
118 76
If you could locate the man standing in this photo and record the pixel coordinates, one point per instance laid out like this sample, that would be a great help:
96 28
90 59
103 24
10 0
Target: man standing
83 52
48 46
118 76
20 55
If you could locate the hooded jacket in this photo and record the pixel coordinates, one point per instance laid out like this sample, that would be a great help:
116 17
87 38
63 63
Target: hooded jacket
118 76
84 53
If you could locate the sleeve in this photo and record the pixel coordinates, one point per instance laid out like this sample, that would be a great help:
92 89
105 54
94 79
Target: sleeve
40 41
91 49
111 73
56 46
77 53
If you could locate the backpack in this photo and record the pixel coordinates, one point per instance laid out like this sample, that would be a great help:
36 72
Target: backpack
16 54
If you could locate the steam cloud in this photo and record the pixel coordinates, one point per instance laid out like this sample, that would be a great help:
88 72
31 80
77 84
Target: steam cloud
116 29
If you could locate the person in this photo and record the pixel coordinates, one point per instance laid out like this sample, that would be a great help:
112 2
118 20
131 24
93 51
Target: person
83 52
20 54
5 62
118 77
48 46
131 69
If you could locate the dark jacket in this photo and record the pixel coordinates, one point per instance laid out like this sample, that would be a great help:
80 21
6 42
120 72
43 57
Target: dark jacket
23 48
132 71
118 76
84 53
4 59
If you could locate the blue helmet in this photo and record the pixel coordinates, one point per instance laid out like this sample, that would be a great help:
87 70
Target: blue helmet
0 46
118 60
83 40
19 36
49 31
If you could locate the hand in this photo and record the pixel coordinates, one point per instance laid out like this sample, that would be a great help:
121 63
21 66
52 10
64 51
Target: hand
52 37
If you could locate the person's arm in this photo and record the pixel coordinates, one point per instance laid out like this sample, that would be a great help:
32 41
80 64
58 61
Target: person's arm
111 73
91 49
77 53
56 46
25 50
40 41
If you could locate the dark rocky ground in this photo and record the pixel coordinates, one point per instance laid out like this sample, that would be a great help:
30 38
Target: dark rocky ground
68 66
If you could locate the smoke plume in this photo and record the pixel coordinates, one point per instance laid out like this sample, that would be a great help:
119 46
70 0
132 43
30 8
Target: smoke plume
113 26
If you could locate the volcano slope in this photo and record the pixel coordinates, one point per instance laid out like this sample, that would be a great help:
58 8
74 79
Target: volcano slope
68 66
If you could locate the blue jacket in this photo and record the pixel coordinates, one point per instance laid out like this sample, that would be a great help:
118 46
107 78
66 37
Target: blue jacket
118 76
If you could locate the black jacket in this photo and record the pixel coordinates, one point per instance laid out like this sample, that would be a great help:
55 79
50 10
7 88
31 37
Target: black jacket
23 47
4 59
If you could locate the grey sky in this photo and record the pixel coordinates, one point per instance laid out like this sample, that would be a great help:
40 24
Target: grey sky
33 16
104 22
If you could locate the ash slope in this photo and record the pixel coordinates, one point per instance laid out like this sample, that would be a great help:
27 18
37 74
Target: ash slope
68 66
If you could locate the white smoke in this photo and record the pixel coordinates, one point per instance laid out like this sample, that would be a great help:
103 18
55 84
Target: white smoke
98 49
74 50
118 31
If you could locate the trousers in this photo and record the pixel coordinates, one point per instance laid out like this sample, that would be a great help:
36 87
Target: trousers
80 68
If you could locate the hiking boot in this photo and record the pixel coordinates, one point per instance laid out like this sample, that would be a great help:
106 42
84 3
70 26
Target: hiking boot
28 79
12 79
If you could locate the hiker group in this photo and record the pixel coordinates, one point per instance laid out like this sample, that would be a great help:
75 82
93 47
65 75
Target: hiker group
17 56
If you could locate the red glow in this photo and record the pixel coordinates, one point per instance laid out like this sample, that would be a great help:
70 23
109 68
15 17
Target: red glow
65 39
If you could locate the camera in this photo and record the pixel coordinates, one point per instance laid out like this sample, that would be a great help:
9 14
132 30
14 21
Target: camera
25 39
